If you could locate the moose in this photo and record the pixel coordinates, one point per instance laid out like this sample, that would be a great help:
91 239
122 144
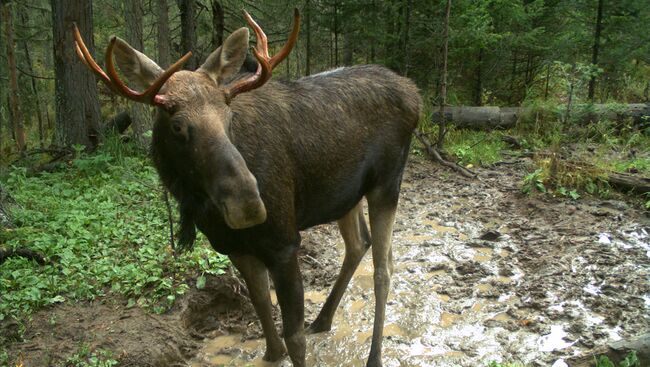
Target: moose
252 162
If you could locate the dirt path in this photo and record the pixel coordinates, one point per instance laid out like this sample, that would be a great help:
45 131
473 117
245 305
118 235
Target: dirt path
549 280
552 279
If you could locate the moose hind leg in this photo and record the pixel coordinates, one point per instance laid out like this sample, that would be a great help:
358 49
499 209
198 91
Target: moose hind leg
257 281
357 241
381 209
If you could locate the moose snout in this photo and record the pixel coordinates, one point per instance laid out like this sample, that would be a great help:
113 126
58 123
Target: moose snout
239 201
240 214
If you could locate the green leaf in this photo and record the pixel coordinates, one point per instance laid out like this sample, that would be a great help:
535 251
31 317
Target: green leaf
200 282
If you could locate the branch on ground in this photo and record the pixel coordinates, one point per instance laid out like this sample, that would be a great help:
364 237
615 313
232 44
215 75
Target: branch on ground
435 155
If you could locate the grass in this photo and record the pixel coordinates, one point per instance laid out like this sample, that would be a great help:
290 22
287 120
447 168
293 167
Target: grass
102 225
477 148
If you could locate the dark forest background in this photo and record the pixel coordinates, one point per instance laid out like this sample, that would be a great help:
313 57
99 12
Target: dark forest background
501 52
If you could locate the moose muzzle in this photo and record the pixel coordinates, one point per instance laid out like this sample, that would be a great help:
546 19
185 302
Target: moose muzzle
240 214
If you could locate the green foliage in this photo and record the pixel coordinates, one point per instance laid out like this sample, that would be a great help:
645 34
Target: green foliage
84 357
475 147
102 226
533 182
631 360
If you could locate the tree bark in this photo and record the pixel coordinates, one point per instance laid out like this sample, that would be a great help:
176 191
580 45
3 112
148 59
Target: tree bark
188 31
348 49
14 95
478 89
37 96
140 113
594 55
492 117
443 79
217 24
164 44
77 102
307 37
405 40
335 11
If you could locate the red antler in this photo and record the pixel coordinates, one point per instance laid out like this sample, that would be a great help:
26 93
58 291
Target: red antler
113 81
261 52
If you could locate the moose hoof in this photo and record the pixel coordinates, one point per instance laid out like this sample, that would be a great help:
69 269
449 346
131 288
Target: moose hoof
276 354
318 327
374 362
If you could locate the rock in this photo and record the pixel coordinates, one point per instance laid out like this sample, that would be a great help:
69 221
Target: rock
491 235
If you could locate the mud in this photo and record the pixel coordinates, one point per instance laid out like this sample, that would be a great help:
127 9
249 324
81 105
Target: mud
482 273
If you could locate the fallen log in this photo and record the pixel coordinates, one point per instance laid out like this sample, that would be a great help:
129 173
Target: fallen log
621 181
627 182
491 117
616 352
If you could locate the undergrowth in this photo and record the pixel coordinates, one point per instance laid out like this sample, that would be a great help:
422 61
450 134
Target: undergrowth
101 224
477 148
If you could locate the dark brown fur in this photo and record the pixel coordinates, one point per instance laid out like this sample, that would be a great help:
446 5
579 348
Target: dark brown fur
316 146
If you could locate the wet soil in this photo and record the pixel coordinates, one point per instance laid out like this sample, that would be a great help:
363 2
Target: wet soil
482 272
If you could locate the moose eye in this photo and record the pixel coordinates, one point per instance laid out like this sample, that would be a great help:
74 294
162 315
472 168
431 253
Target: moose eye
179 128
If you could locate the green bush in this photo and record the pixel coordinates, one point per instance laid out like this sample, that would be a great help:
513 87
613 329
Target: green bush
102 225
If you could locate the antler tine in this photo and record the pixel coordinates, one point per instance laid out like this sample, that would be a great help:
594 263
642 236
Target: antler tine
293 38
86 57
261 52
262 45
150 94
112 79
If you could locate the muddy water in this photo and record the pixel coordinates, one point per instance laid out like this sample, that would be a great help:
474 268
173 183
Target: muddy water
552 286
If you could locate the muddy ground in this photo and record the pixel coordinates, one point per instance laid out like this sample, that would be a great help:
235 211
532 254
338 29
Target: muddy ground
482 272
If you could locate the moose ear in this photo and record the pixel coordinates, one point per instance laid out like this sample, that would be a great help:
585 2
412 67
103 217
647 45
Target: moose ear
136 66
226 60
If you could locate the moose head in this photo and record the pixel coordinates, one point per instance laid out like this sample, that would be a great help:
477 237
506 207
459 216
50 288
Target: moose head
191 136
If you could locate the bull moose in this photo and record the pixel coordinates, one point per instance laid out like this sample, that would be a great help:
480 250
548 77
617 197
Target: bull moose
253 162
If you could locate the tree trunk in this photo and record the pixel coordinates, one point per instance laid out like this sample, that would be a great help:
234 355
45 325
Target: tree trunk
217 24
348 49
14 95
594 55
77 103
140 113
548 80
373 38
164 44
37 96
335 11
307 37
443 79
188 31
405 40
478 89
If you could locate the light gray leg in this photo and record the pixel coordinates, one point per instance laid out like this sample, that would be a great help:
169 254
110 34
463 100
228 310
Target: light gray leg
257 281
357 240
382 217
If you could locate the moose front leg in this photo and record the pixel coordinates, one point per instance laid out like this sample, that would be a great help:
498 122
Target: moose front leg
257 282
288 286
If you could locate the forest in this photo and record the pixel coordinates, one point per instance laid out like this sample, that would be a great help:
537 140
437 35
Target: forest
522 234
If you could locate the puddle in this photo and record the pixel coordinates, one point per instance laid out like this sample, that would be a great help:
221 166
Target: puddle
529 298
482 254
554 340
